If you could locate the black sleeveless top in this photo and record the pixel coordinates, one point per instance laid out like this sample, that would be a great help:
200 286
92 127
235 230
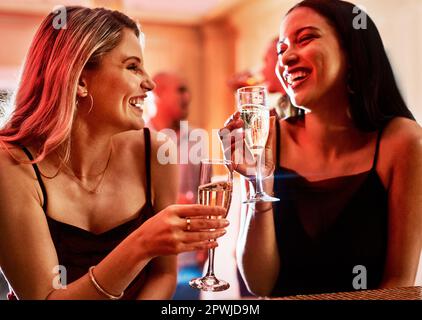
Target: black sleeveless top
78 249
346 220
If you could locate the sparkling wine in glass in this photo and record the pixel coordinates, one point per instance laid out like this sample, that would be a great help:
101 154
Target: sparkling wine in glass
215 189
252 104
256 125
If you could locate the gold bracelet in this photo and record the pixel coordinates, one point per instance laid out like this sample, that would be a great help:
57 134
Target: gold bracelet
100 289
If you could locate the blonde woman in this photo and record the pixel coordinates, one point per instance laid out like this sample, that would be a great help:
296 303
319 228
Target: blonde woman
85 205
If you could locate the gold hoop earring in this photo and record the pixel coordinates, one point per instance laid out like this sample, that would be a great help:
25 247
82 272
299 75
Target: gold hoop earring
92 103
90 96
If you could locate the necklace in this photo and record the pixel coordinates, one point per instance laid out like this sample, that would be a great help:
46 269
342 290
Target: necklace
77 177
54 175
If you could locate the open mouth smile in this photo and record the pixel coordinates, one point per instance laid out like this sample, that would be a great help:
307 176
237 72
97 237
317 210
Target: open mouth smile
137 102
296 77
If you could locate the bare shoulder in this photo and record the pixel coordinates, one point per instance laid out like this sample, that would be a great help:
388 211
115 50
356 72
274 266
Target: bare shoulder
164 155
131 144
402 129
19 189
402 135
17 180
134 142
16 176
129 141
24 235
163 149
400 149
11 169
6 153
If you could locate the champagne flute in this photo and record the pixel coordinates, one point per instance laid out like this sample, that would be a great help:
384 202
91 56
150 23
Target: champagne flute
252 104
215 189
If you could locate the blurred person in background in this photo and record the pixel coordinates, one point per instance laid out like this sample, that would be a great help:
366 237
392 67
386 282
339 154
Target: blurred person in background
172 100
279 101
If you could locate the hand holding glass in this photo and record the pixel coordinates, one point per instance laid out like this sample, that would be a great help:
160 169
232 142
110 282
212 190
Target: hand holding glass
215 189
252 104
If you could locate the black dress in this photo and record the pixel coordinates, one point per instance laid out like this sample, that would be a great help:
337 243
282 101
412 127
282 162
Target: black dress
324 229
78 249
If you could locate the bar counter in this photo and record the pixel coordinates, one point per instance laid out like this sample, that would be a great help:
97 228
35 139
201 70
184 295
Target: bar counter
407 293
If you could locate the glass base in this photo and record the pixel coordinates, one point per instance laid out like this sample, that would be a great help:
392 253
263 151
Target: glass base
209 283
261 197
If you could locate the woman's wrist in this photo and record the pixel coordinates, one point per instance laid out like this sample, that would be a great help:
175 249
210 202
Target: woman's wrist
268 184
268 187
263 207
140 246
101 289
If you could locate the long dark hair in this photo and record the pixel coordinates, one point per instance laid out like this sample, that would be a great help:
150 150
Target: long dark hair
375 97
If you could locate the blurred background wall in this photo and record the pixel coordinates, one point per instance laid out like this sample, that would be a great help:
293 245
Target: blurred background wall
208 41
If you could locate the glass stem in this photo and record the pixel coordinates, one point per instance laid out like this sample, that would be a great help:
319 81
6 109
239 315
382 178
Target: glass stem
258 187
210 272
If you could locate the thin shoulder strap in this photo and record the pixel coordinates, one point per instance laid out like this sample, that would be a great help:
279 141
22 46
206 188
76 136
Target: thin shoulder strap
377 147
147 138
38 174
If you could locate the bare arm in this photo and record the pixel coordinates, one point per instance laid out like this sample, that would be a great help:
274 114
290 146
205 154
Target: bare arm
163 271
28 256
165 182
405 206
257 251
27 253
161 282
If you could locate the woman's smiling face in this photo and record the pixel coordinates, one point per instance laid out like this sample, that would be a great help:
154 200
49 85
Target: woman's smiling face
119 86
313 64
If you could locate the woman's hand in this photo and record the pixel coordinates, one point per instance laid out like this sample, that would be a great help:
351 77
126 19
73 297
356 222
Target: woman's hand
181 228
235 149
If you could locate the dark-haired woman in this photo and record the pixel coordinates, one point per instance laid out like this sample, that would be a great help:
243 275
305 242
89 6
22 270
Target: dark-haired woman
348 174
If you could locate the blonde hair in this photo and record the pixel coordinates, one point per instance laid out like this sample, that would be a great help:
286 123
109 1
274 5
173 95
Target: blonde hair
45 101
